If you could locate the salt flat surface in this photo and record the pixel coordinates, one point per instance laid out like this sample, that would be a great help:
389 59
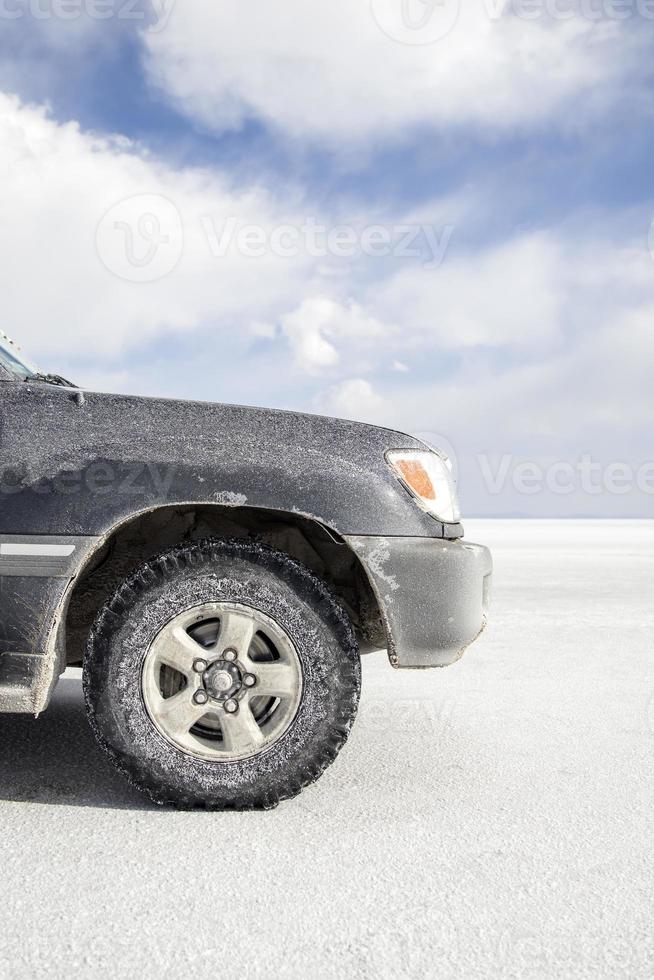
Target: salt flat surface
494 819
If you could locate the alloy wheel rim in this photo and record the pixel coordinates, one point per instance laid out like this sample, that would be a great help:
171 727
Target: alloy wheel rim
222 681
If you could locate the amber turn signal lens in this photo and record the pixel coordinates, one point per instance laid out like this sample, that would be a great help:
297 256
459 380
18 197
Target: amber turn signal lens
417 478
427 476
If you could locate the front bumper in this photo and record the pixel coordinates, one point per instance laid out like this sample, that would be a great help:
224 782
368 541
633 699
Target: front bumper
433 595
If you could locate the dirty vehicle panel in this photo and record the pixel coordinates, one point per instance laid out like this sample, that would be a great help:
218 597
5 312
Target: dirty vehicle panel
74 468
78 468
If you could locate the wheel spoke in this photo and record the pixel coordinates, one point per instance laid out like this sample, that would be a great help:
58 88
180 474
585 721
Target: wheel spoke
179 713
241 732
236 633
178 650
277 680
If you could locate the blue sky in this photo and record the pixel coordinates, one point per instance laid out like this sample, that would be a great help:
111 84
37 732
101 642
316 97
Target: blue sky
519 145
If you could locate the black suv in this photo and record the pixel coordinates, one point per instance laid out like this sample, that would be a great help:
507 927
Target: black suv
217 570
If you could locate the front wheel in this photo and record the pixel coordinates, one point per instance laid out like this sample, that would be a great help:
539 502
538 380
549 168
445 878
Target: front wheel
222 674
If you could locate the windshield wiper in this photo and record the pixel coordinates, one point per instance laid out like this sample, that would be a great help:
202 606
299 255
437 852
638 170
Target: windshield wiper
51 379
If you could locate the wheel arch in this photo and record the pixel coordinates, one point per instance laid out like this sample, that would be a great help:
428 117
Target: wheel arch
146 534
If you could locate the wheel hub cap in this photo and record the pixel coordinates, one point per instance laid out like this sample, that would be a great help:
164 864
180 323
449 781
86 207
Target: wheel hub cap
227 692
222 680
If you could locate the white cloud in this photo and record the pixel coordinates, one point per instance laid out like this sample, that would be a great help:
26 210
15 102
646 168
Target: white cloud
328 72
353 399
57 182
509 294
594 395
314 328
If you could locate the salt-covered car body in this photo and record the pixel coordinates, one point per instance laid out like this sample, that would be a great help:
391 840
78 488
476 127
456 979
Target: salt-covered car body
94 484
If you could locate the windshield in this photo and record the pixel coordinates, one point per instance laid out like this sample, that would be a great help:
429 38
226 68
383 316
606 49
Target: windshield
12 360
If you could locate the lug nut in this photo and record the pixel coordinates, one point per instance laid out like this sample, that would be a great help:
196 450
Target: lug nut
249 680
231 706
200 697
199 666
230 655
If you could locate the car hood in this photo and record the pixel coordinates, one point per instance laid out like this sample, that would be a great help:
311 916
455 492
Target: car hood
162 452
246 427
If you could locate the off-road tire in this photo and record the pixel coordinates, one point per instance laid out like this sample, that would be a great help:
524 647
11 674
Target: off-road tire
216 570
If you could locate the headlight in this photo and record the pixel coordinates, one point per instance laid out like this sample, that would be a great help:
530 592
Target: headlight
428 478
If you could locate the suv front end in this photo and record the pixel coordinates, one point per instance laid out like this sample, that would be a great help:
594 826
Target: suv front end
433 592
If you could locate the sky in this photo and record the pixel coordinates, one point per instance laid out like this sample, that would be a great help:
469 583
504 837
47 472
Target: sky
433 215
